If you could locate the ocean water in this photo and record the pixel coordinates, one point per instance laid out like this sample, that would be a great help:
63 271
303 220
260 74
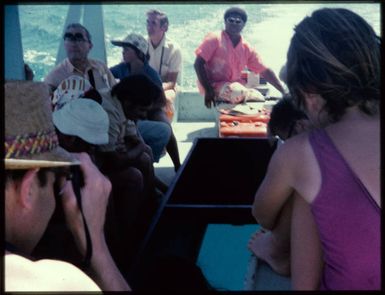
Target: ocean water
269 29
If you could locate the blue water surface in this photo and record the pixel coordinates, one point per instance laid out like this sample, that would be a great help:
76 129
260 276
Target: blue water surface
269 29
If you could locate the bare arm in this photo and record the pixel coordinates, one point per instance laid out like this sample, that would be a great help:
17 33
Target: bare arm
104 270
199 66
95 194
306 252
170 81
171 77
275 189
111 161
270 77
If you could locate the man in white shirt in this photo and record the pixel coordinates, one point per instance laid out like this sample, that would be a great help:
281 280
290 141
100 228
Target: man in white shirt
165 55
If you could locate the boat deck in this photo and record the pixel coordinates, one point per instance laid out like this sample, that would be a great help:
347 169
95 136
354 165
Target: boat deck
185 133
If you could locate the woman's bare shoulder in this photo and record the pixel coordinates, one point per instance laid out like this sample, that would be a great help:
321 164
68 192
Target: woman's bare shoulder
294 147
301 165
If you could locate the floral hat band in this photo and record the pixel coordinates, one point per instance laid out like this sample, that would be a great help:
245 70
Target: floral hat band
30 139
30 144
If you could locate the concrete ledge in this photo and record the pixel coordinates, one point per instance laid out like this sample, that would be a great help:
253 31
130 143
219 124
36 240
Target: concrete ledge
191 108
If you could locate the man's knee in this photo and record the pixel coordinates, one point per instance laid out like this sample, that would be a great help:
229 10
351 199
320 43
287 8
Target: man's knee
165 130
156 134
160 131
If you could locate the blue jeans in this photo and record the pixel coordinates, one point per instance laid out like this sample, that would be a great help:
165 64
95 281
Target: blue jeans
156 134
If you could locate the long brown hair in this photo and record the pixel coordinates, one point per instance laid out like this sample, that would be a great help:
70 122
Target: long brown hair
336 54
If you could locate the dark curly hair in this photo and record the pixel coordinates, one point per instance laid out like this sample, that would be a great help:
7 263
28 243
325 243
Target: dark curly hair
335 53
283 117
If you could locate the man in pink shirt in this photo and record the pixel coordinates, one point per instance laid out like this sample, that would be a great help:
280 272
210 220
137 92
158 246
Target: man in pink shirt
222 58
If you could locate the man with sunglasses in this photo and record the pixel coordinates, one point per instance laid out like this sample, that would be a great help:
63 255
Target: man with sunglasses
78 44
222 58
165 55
37 169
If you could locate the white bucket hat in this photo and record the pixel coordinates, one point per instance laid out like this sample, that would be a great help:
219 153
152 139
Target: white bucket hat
84 118
135 40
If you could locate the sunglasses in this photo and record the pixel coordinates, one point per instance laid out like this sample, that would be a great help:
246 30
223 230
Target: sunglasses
234 20
77 37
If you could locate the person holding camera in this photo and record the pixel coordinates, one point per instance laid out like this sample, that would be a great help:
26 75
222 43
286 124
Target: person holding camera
37 169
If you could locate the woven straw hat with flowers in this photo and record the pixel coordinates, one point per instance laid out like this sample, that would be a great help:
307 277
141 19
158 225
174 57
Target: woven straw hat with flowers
30 138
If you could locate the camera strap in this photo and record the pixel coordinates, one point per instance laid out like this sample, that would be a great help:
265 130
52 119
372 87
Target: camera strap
91 78
77 184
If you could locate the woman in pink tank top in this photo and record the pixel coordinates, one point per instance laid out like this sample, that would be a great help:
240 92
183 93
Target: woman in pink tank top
319 203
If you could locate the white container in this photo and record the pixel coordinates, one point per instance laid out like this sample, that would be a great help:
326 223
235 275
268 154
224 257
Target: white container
252 80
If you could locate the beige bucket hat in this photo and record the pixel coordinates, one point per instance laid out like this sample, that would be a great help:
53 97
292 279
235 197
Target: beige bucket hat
135 40
30 138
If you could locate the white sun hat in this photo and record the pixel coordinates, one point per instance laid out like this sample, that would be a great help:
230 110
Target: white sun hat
135 40
71 88
84 118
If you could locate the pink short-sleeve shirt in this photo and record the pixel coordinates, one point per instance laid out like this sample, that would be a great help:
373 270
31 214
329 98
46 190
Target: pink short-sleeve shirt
224 63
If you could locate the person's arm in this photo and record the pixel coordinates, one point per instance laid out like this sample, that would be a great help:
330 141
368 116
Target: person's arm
51 84
110 161
170 81
109 77
275 188
95 194
147 148
306 257
171 77
200 70
125 156
115 71
270 77
135 146
56 76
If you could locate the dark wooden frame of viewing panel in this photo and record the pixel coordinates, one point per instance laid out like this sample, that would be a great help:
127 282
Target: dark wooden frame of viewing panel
216 184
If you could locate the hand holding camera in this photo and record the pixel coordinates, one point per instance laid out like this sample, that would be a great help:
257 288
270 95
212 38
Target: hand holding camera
95 190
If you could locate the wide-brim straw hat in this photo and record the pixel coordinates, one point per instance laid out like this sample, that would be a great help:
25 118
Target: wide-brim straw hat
135 40
84 118
30 137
